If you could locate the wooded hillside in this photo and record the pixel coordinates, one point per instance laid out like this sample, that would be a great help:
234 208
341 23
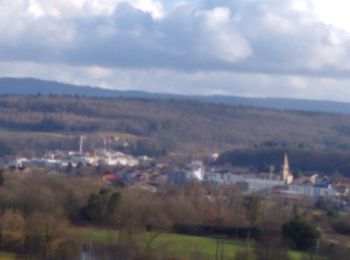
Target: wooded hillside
188 126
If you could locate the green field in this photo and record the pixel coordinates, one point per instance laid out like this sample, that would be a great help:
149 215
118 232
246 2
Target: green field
182 246
192 247
7 256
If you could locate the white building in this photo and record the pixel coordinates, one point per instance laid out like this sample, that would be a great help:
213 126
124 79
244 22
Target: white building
249 184
116 158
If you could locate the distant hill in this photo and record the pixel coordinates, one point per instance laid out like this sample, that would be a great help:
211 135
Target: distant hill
175 125
31 86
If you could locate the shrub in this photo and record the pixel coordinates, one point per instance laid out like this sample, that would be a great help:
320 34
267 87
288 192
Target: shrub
300 234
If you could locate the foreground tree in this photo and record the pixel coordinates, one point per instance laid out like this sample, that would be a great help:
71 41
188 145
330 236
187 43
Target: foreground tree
300 234
2 178
101 208
12 230
50 237
253 209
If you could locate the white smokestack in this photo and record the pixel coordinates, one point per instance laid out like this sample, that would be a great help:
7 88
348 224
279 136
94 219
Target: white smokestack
81 144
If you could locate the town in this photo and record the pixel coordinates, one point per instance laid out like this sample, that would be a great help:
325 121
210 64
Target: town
119 169
174 130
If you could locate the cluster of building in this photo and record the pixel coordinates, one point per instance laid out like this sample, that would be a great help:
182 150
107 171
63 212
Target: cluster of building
126 169
56 159
281 185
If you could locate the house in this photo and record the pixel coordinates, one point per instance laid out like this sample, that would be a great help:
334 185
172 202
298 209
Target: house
111 178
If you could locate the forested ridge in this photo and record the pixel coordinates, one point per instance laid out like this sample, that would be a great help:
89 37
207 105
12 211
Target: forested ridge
32 86
303 160
187 126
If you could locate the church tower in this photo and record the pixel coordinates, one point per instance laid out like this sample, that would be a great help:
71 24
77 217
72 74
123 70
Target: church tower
286 174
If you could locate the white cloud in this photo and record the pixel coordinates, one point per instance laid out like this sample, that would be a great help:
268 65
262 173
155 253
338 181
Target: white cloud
257 36
219 39
335 12
279 24
215 45
74 8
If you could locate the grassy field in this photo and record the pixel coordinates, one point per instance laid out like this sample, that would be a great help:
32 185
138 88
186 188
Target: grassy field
182 246
7 256
192 247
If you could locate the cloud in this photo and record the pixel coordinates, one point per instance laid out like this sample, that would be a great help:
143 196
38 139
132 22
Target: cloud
251 36
293 42
228 45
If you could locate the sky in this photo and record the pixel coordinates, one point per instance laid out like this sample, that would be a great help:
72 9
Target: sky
255 48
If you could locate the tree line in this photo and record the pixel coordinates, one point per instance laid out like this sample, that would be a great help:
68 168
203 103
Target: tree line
302 160
173 124
41 215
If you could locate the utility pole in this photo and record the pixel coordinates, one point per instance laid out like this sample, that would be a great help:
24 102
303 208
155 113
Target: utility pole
222 249
217 249
89 255
248 238
317 248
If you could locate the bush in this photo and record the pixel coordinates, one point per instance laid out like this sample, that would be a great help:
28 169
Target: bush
101 207
341 225
300 234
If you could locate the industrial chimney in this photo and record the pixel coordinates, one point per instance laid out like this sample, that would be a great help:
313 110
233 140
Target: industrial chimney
81 144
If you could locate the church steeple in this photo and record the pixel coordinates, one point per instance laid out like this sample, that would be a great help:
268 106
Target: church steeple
286 174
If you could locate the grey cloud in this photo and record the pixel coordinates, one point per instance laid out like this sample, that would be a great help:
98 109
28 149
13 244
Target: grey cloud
139 41
257 37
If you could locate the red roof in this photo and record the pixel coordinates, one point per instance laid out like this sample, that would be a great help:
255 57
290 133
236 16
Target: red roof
343 180
110 177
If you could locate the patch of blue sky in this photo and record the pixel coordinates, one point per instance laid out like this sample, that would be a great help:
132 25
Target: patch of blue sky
169 3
